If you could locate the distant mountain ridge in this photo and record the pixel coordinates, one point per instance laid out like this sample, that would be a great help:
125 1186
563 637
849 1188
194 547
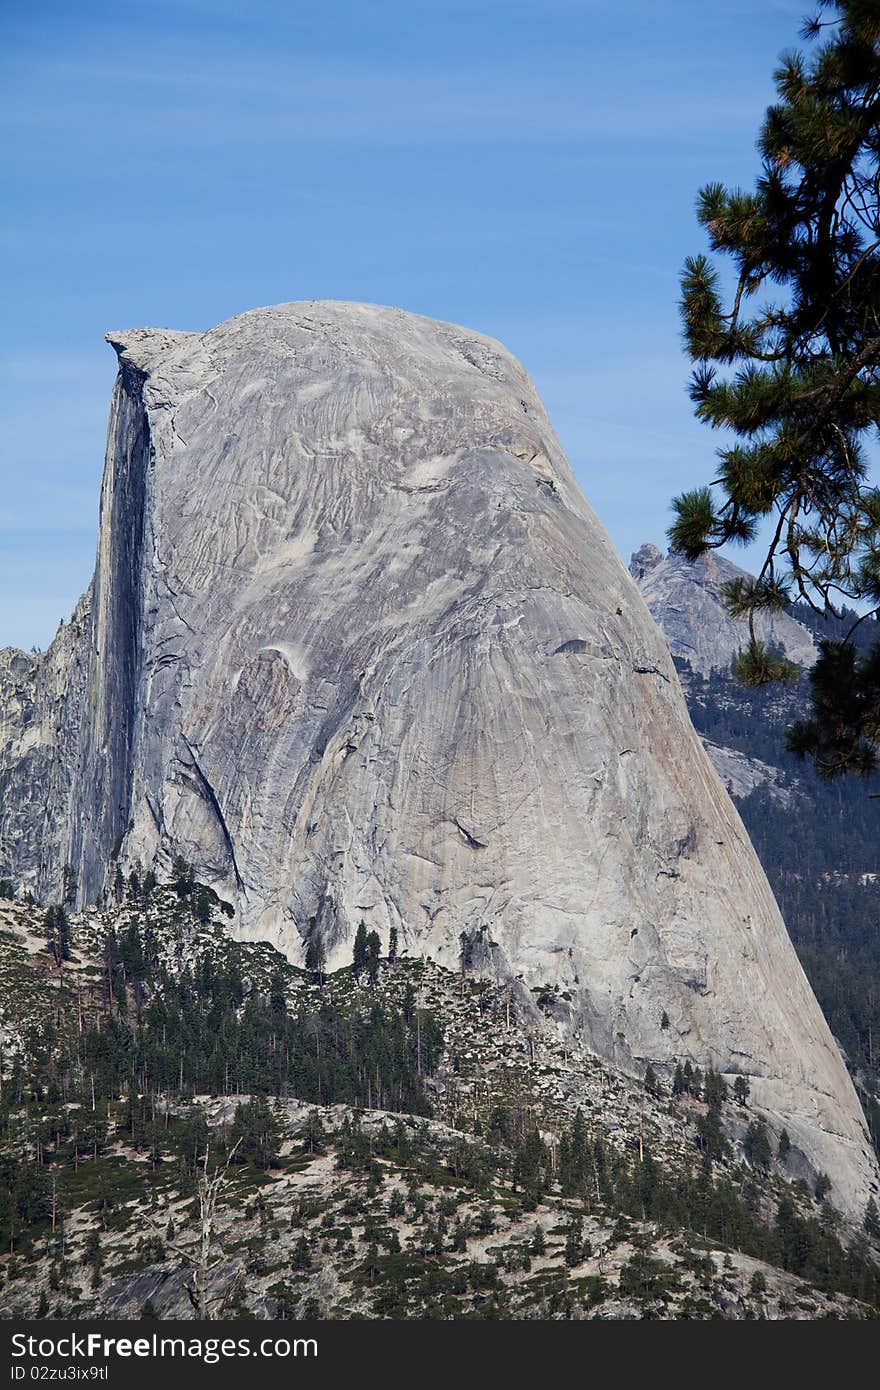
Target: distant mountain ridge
685 600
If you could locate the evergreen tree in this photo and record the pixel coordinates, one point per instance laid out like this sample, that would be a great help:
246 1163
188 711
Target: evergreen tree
757 1144
316 956
93 1254
62 934
278 994
302 1254
710 1136
314 1138
396 1203
715 1089
182 877
374 952
202 902
68 888
576 1249
408 1003
797 378
57 929
360 954
257 1132
741 1090
528 1164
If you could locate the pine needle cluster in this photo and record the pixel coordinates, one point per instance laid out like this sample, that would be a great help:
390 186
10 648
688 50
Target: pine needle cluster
787 366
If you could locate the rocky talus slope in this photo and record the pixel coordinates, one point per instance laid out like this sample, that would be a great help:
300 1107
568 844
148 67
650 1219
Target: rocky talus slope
359 648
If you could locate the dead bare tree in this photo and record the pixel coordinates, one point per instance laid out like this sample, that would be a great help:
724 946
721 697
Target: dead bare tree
203 1252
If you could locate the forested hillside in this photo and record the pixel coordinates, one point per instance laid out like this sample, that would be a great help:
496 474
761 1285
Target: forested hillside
819 848
390 1140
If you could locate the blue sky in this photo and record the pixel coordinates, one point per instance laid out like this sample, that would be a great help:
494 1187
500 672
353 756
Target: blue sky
525 167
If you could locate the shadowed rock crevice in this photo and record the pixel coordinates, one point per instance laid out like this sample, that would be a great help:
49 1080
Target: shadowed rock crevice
102 788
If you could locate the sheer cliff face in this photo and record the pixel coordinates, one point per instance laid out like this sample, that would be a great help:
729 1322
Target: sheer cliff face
361 650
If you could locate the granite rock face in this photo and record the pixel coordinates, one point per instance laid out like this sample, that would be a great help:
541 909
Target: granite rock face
42 696
359 648
742 774
684 599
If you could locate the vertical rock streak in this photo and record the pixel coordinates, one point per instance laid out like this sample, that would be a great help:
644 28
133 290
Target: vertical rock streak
101 793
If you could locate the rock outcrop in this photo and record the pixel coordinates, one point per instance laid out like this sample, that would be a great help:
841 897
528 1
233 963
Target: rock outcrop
360 649
685 599
42 697
742 774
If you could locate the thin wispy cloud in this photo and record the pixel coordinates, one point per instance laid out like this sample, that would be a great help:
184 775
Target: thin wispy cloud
524 167
234 104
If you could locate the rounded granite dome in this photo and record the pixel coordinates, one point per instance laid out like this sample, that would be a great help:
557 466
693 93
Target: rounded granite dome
361 650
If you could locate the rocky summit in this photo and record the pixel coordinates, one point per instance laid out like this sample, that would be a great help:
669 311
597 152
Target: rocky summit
686 600
358 648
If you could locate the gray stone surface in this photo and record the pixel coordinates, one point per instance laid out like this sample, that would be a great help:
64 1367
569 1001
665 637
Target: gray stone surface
684 599
741 774
360 649
42 696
